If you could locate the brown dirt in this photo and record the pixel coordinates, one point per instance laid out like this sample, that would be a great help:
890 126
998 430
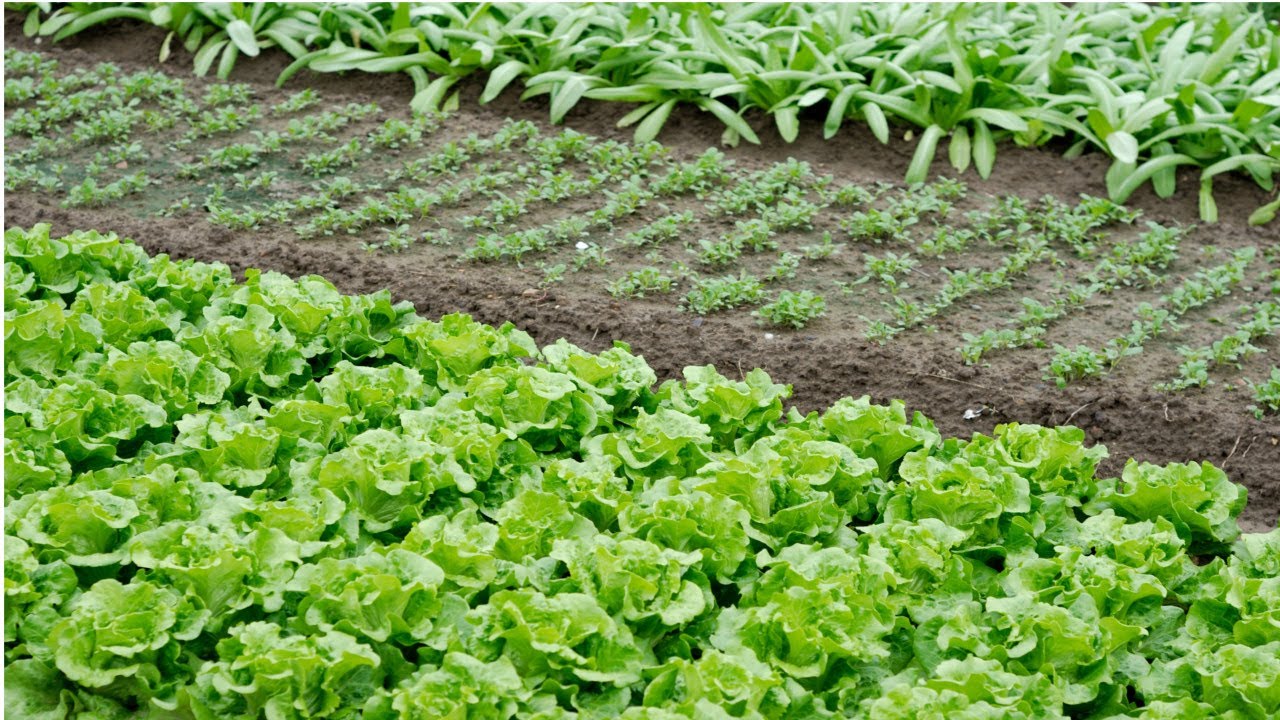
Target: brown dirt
824 362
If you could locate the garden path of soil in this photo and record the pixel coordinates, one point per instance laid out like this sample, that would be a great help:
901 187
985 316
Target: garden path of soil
822 364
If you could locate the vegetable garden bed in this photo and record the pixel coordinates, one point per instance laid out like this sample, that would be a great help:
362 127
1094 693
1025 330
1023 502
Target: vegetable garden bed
212 472
836 355
274 500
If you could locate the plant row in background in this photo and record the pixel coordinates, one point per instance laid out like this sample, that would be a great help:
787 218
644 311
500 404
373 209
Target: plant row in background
271 500
787 243
1155 88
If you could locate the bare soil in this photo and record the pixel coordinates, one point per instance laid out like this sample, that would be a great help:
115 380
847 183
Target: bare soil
823 362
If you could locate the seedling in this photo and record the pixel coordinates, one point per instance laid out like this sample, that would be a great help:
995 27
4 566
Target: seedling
709 295
794 309
1266 395
638 283
1068 364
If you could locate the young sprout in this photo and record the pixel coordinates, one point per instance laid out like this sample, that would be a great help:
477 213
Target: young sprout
593 254
721 293
551 274
879 332
1266 395
1068 364
228 94
785 268
296 102
877 225
637 283
795 309
823 250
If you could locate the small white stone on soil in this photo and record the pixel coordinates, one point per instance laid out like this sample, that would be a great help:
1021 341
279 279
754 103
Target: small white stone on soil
581 245
768 336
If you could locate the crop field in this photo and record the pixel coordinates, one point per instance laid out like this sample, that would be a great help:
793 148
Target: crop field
345 380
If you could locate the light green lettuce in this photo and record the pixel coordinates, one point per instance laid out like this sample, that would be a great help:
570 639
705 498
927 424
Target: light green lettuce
462 687
379 597
386 478
1197 498
264 672
733 410
623 380
449 352
653 588
124 640
878 432
567 637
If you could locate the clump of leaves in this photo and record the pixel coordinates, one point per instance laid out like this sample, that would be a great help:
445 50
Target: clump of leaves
638 283
1073 364
1266 395
793 308
722 293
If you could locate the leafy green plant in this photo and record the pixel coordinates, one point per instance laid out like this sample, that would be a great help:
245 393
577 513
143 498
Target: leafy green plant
722 293
1229 350
794 309
888 268
638 283
296 102
1073 364
1266 395
878 225
824 250
878 331
89 193
785 268
665 228
330 161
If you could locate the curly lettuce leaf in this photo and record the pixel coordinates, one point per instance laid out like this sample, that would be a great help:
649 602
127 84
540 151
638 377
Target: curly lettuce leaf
461 687
262 671
732 410
124 640
1197 498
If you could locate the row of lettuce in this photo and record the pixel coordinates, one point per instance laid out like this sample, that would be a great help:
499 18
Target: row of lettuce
271 500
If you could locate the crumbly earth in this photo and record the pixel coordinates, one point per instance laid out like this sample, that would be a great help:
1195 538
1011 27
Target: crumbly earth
824 361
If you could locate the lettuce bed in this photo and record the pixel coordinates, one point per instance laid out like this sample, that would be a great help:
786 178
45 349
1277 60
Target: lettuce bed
273 500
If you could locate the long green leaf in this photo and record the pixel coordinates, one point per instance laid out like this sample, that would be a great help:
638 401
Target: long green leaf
918 170
1265 213
1165 181
243 37
836 113
654 121
1143 172
732 120
960 150
984 149
204 59
500 77
566 96
1208 207
229 55
1000 118
1123 146
788 122
78 24
429 99
876 120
